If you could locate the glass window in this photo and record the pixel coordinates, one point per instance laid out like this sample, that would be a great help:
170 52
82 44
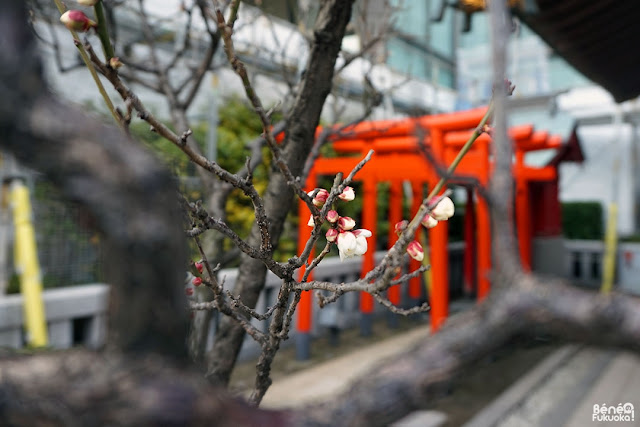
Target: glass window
408 59
441 33
411 18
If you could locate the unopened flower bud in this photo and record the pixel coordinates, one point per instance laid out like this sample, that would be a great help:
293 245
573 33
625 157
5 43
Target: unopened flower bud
443 210
347 194
509 86
196 281
415 250
401 226
311 222
76 20
428 221
115 63
331 235
332 216
199 266
346 223
320 198
188 291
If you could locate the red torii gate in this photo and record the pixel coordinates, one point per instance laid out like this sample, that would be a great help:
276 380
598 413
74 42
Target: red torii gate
398 159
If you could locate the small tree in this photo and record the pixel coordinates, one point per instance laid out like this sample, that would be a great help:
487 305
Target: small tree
142 378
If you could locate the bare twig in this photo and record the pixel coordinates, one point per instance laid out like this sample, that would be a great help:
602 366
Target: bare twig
92 70
236 303
241 183
401 311
237 65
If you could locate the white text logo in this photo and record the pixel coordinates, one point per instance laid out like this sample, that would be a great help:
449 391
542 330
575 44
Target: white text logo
621 412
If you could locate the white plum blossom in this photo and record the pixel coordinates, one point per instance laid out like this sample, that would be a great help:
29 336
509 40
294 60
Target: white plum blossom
352 244
346 245
361 240
443 210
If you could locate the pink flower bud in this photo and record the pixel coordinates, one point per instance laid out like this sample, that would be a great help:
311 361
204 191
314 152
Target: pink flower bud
188 291
198 266
346 223
331 235
347 194
320 197
76 20
332 216
443 210
196 281
429 221
415 250
401 226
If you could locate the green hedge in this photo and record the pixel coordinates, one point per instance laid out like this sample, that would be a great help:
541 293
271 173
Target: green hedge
582 220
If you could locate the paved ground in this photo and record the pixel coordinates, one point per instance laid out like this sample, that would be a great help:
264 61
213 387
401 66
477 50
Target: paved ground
619 383
563 389
328 378
557 387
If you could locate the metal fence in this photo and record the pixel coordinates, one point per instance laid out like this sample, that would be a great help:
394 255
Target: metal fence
68 251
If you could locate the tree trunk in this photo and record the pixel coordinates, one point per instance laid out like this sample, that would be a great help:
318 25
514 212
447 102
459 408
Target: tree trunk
316 84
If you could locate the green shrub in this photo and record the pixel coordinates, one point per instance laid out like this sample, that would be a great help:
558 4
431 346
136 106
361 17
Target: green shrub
582 220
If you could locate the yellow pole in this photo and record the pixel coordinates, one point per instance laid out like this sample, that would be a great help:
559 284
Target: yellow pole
610 242
27 265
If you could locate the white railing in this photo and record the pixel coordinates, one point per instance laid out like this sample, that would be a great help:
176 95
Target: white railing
77 315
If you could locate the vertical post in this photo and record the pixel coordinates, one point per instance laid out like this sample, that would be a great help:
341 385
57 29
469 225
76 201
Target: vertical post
484 248
395 215
523 213
305 306
469 256
27 265
611 232
439 295
483 223
415 284
369 221
610 242
438 239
